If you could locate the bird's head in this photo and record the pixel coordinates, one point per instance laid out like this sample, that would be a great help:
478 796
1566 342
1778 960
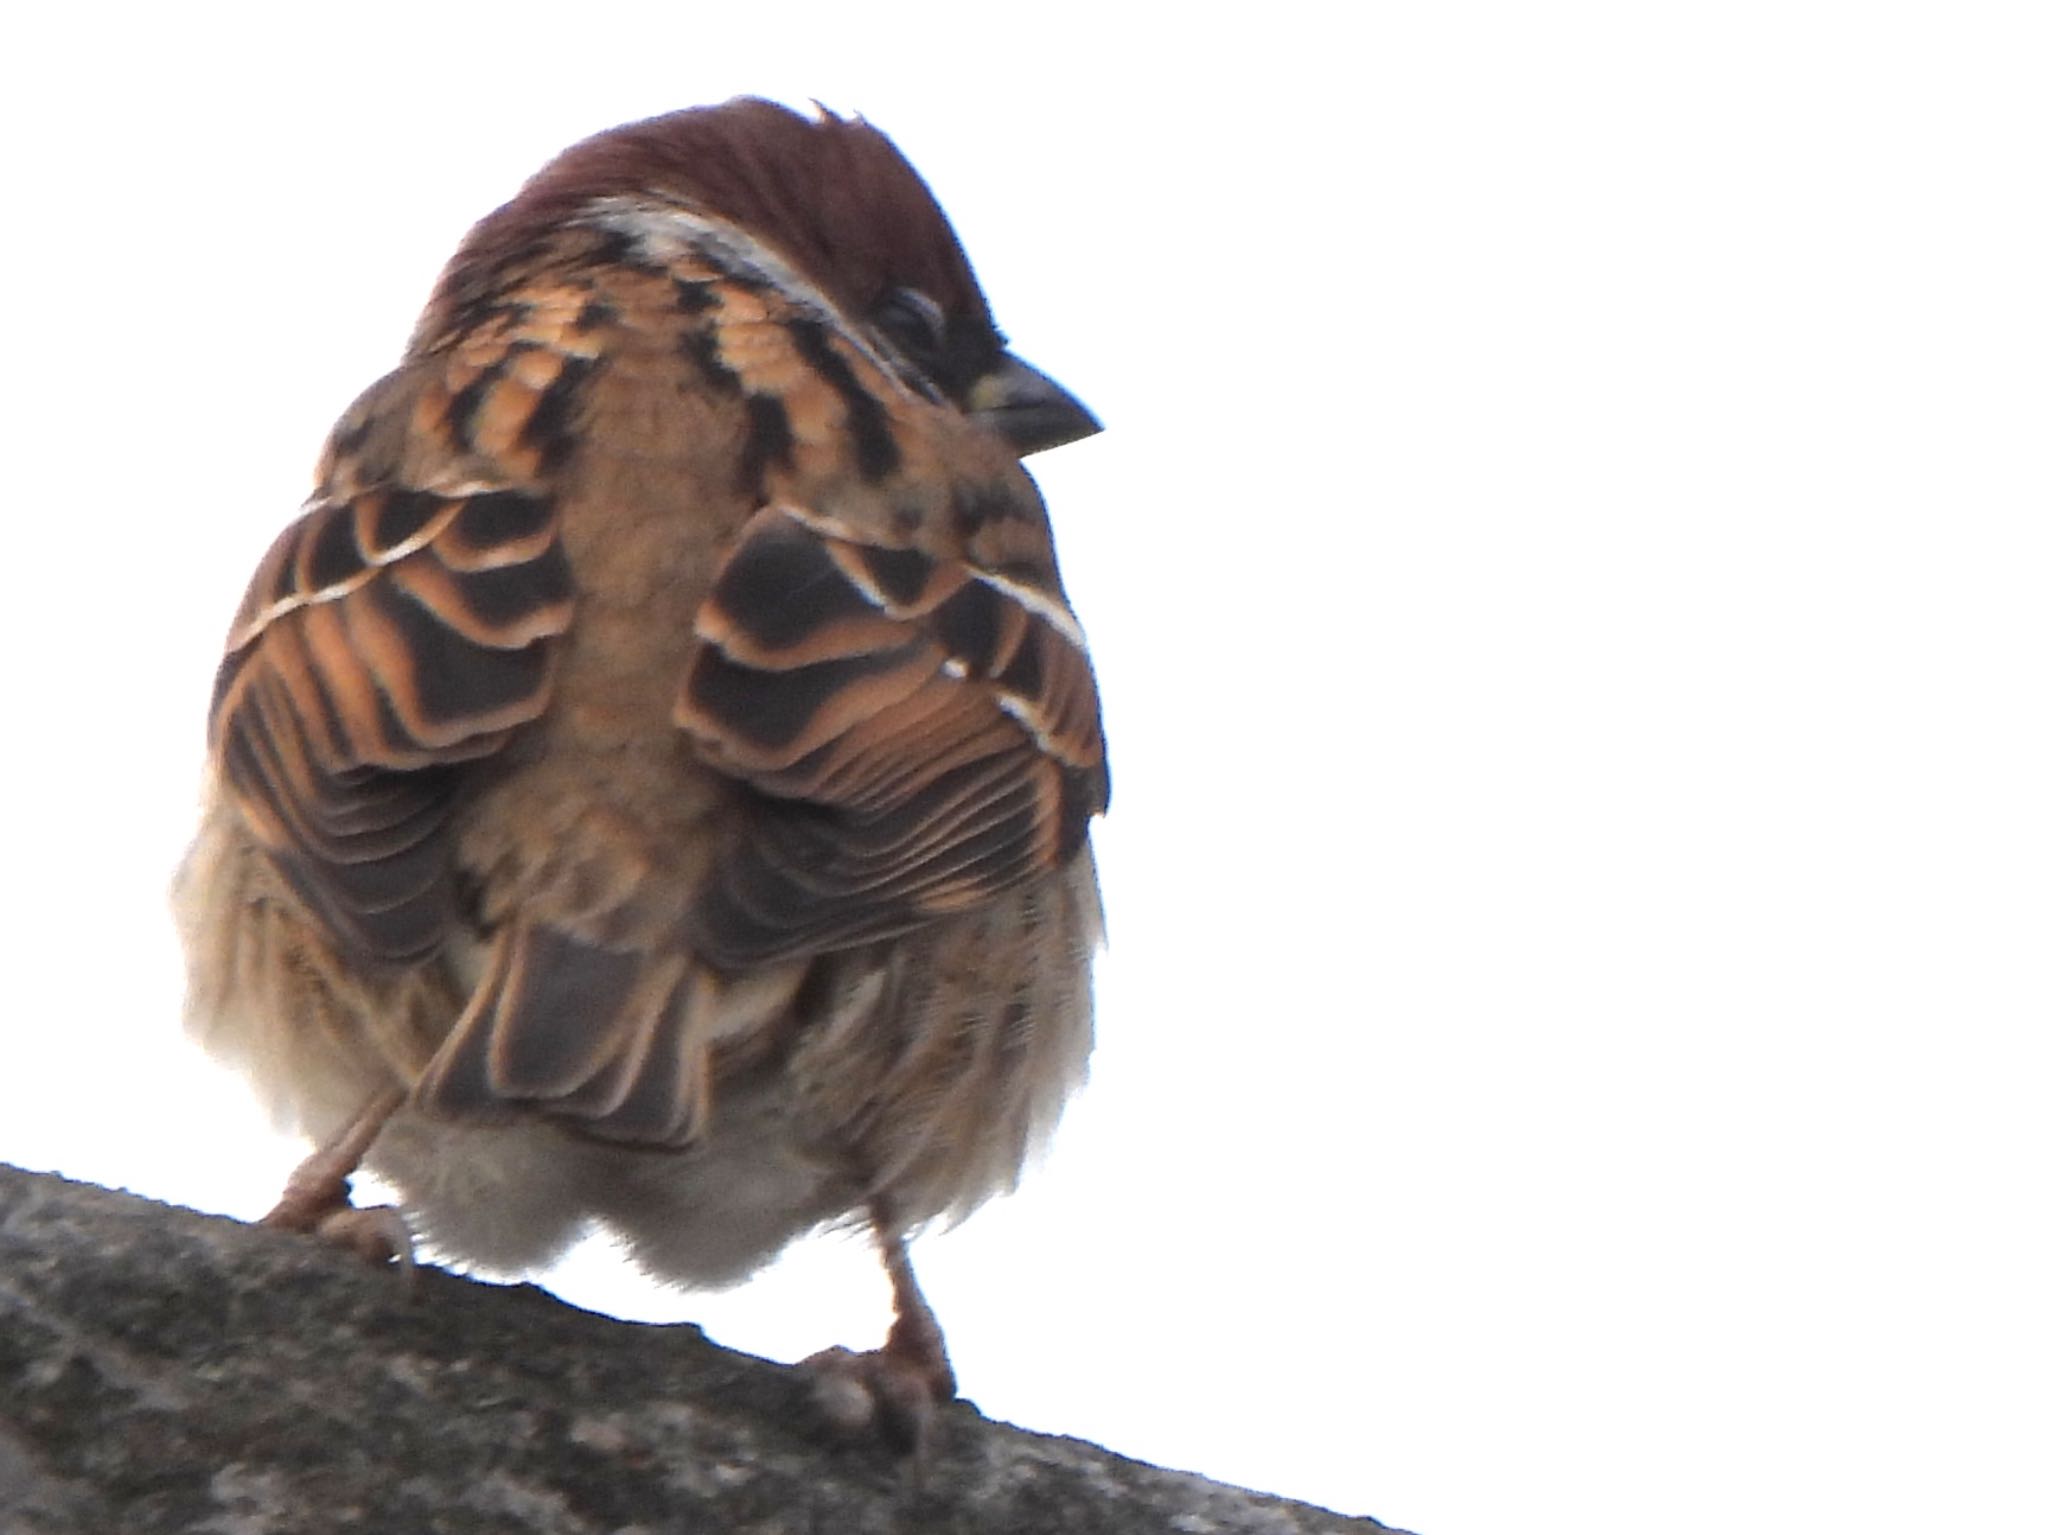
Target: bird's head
838 201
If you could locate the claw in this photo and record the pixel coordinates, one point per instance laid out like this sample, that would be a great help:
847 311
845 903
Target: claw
377 1235
892 1393
876 1394
316 1196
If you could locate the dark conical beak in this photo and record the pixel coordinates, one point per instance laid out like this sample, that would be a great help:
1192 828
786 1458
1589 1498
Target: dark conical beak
1027 408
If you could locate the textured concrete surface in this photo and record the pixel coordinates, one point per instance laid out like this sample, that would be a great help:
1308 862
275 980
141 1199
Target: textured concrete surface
164 1371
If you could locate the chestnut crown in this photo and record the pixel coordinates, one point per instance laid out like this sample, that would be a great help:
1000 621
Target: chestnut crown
837 200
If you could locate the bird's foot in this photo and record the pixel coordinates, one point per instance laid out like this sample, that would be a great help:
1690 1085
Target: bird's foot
378 1234
890 1394
316 1196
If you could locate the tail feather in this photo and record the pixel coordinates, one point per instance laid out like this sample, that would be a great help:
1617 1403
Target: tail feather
669 1097
604 1038
557 1019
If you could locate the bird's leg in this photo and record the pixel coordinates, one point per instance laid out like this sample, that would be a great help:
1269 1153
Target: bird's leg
316 1197
894 1390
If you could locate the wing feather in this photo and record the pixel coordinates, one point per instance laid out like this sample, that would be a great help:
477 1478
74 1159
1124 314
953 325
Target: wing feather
388 637
922 733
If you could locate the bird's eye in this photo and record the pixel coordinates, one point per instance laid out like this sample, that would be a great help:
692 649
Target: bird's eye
913 322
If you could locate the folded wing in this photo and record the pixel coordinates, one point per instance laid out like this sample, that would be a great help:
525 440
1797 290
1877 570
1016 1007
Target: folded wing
922 733
389 637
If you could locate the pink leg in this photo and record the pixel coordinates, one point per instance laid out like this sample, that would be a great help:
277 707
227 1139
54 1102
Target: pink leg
894 1391
316 1197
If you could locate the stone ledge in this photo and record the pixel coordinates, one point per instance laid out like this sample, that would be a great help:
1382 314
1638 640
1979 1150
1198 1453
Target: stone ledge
163 1371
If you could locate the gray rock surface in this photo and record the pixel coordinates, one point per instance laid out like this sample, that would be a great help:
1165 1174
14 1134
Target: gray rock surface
165 1371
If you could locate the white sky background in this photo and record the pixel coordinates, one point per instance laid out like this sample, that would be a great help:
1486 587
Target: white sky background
1566 572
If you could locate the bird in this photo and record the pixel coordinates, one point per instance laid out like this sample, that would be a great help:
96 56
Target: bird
650 781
